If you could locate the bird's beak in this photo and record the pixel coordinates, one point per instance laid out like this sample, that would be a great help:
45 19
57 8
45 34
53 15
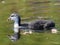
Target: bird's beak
8 19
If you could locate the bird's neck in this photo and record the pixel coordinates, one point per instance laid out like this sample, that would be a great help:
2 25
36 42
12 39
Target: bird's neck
15 22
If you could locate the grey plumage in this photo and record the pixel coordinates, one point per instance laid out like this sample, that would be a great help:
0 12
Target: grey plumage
42 24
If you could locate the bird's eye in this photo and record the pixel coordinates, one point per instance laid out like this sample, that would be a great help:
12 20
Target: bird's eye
12 16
